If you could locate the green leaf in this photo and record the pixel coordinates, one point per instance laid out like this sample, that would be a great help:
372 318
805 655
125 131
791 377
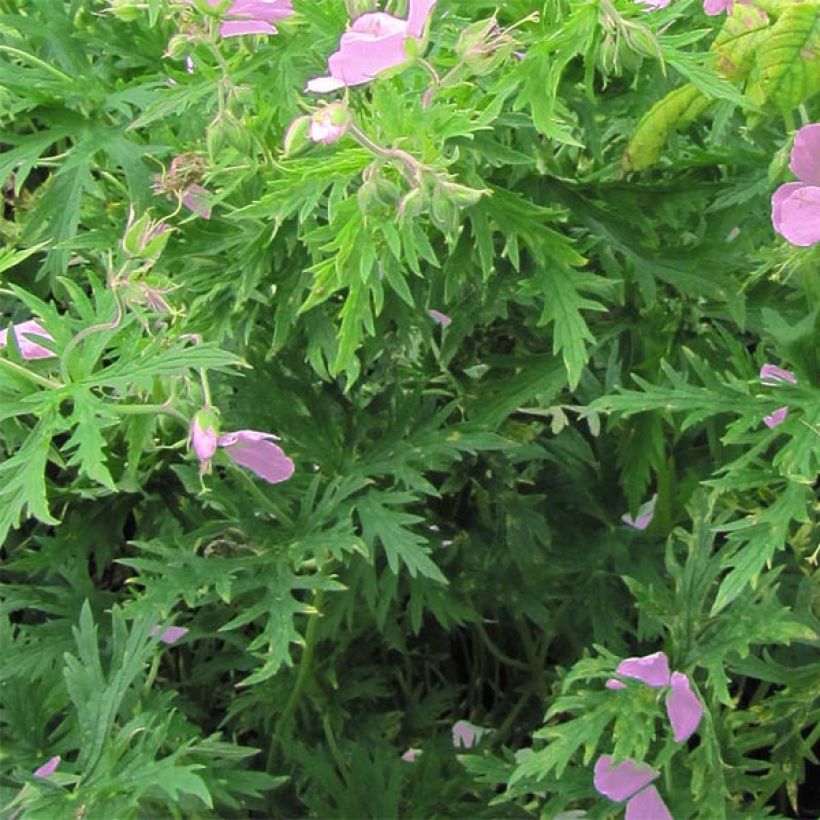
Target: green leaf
787 63
392 527
87 440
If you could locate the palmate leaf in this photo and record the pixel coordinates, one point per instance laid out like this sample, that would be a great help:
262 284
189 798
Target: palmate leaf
380 521
756 538
87 441
22 477
787 62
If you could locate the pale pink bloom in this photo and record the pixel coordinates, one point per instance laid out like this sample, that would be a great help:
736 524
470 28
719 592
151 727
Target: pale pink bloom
48 768
195 198
257 452
442 318
253 16
202 439
329 124
713 7
653 5
653 670
170 635
646 512
621 781
796 205
647 805
771 375
410 755
683 707
777 417
466 734
24 332
374 43
629 781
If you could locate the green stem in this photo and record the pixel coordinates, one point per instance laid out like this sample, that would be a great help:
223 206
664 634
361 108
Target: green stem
301 678
412 167
85 333
27 374
145 410
496 652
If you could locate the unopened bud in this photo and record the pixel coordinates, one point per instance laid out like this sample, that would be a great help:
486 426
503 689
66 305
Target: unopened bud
296 137
329 124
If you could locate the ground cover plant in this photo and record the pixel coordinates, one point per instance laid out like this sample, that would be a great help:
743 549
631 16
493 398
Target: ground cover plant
409 408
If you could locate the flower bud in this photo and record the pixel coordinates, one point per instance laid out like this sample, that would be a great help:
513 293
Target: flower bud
144 237
329 124
296 137
203 435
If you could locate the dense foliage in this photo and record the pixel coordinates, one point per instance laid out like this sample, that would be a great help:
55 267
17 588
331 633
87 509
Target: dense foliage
506 304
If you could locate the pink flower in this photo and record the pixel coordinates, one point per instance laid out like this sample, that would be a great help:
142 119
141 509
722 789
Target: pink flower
683 708
202 435
247 448
23 334
410 755
195 198
466 734
256 451
329 124
253 16
170 635
48 768
375 42
629 780
771 375
654 5
796 205
646 512
713 7
442 318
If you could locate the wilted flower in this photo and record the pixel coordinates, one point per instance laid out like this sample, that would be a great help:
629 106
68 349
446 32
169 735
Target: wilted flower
630 781
683 708
796 205
643 519
252 16
170 635
181 181
466 734
48 768
23 334
441 318
771 375
203 435
375 42
329 124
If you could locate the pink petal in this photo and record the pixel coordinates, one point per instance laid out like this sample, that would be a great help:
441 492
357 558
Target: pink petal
653 670
23 333
268 10
254 450
442 318
410 755
173 634
799 216
805 159
771 374
646 512
322 85
653 5
360 59
236 28
466 734
417 16
778 198
614 684
777 417
195 199
713 7
621 781
48 768
203 441
647 805
683 707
